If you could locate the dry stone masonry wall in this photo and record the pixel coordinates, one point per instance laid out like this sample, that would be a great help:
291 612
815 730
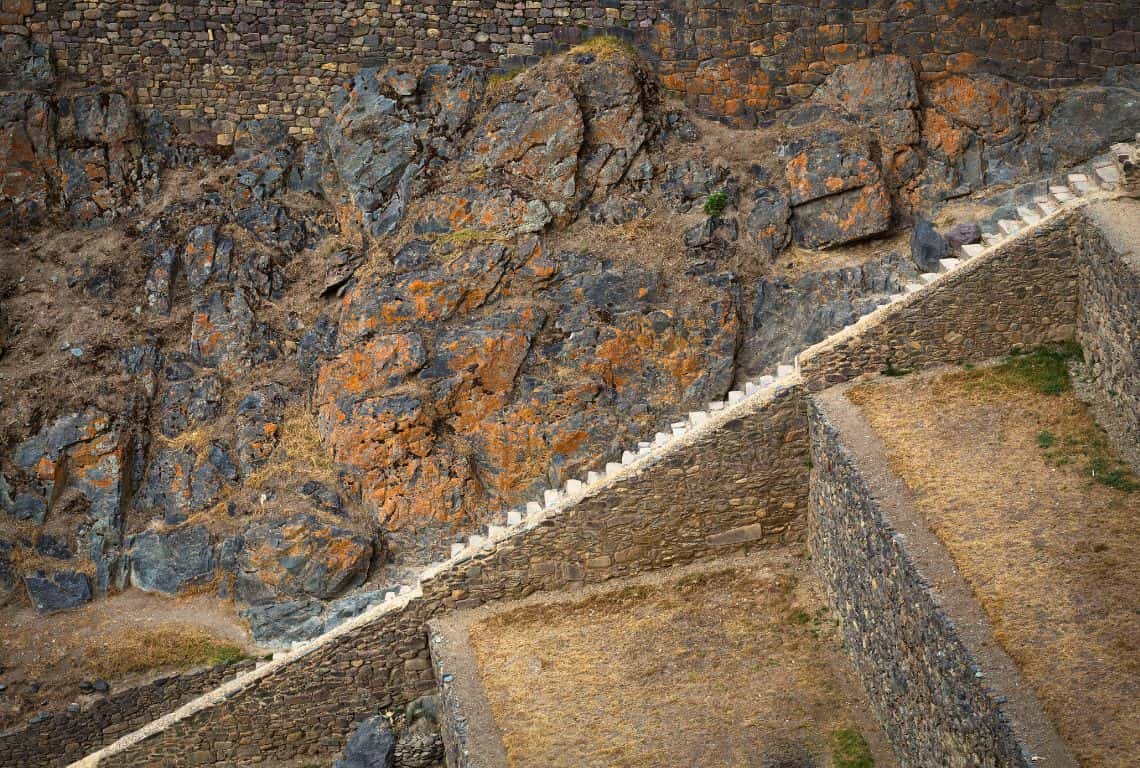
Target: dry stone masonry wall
740 486
1024 296
58 739
923 682
1109 324
212 64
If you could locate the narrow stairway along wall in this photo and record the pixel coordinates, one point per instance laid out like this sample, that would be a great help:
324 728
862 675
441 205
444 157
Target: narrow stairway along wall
1023 296
741 486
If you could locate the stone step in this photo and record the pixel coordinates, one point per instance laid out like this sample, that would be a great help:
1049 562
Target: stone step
767 381
1062 194
1081 184
912 287
1107 176
456 548
698 417
928 277
533 508
550 497
1028 215
992 240
735 396
594 477
1010 227
574 487
514 517
1046 205
783 370
949 265
628 457
973 250
612 468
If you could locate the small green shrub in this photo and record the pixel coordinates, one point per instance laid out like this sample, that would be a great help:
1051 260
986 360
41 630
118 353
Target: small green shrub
1046 439
849 749
716 203
892 371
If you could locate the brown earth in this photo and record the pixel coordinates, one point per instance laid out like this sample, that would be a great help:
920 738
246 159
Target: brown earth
1049 552
127 639
737 664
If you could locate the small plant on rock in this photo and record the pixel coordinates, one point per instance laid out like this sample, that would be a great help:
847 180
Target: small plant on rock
716 203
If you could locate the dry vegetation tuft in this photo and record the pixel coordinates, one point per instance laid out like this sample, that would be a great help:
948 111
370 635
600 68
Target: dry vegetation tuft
141 649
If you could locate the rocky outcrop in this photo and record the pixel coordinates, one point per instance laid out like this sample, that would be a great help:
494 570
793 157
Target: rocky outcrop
791 315
173 561
837 193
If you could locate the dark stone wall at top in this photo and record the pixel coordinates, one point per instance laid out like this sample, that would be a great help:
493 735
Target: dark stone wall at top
213 63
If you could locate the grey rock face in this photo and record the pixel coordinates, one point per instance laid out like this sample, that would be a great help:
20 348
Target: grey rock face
788 316
372 745
768 221
287 622
965 233
169 562
58 591
24 64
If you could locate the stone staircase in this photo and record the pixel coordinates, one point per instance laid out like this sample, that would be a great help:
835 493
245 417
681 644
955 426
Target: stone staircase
1032 204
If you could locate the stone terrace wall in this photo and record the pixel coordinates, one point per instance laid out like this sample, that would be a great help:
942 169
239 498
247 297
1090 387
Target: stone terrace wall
1109 321
212 63
741 485
1023 295
921 679
64 737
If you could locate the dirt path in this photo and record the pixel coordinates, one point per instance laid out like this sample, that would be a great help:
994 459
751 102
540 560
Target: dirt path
1003 475
734 663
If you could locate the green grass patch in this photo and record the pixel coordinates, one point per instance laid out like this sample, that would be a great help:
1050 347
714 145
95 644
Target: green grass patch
1044 370
1046 439
849 749
892 371
715 204
1088 448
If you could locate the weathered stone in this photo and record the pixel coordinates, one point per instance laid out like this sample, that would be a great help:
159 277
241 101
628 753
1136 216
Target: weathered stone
172 561
768 222
300 556
927 247
258 426
57 591
844 217
530 136
372 745
291 621
964 233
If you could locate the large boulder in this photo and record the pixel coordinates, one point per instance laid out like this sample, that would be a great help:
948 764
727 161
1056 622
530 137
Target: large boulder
1084 123
58 591
172 561
611 95
530 138
300 556
286 622
837 192
927 246
371 745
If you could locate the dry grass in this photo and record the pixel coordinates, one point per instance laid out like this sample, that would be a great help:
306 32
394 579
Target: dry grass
178 646
607 47
300 451
741 658
1049 551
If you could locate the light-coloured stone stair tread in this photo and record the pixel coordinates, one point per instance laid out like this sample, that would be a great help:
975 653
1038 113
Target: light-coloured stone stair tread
1108 176
1028 215
949 265
912 287
973 250
784 370
928 277
1009 226
992 240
